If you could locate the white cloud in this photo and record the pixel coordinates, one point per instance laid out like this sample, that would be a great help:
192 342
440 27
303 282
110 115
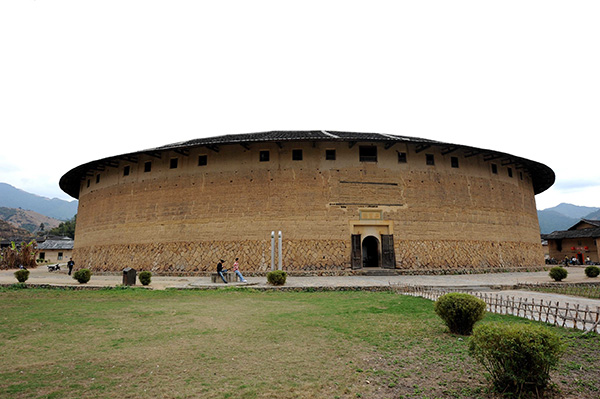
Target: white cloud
86 80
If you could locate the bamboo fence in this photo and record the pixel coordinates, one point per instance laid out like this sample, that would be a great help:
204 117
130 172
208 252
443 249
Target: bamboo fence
562 315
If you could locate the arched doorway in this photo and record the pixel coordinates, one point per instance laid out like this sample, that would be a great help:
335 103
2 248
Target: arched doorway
370 252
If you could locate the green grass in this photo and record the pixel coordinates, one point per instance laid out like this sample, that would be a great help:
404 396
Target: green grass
246 344
584 290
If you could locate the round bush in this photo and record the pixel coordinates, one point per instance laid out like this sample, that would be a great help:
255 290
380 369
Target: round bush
558 273
22 275
83 275
518 357
145 277
277 277
592 271
460 311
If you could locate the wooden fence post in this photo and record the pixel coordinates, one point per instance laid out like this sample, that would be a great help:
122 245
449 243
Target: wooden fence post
520 307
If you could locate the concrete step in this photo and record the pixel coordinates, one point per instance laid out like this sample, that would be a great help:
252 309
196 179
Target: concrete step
377 271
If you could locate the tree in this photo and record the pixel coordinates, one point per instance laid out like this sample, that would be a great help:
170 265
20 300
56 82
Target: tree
18 255
66 229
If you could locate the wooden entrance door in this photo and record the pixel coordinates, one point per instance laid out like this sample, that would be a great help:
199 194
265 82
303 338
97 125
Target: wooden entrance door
388 256
356 252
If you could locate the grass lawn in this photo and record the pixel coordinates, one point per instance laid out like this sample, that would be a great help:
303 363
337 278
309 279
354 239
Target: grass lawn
248 344
583 290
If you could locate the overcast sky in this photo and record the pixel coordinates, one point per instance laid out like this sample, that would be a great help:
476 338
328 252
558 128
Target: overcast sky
83 80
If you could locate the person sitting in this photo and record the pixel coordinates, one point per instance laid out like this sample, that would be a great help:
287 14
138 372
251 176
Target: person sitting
236 269
220 270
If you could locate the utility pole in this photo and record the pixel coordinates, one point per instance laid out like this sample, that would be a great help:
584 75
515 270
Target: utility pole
272 250
280 251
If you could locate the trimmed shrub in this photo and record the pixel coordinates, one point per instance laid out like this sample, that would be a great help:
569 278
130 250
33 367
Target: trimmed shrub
277 277
460 311
145 277
558 273
518 357
592 271
22 275
83 275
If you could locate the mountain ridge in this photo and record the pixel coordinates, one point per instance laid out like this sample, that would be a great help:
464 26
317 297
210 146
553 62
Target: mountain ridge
563 216
12 197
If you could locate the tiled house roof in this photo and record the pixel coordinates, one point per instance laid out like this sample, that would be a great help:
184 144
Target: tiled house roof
57 244
572 232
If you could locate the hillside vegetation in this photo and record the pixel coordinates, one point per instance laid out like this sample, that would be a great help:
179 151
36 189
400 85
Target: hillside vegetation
10 232
28 220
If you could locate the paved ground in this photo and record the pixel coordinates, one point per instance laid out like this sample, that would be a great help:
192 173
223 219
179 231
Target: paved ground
41 275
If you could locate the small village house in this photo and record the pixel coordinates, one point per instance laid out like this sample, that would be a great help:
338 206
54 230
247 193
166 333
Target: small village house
579 241
55 250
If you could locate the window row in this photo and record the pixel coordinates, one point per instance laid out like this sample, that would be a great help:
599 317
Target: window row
366 154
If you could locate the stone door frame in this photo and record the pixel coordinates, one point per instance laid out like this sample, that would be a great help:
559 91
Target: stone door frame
382 230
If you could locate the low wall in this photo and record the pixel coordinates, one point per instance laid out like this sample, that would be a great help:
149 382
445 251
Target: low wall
309 257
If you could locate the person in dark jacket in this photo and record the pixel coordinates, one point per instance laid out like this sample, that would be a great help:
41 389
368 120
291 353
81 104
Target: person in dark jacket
220 270
70 264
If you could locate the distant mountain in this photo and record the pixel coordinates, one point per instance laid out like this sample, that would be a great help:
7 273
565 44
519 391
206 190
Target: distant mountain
563 216
28 220
12 197
573 211
552 221
593 215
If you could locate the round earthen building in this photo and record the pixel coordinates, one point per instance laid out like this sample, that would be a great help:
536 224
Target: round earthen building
342 201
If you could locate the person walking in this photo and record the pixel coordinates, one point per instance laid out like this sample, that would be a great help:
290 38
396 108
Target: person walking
236 269
70 265
220 270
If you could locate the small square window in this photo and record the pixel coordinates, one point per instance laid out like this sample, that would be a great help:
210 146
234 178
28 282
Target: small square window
330 155
126 171
264 156
494 169
401 157
429 160
454 162
97 179
296 155
368 154
148 166
202 160
509 170
173 163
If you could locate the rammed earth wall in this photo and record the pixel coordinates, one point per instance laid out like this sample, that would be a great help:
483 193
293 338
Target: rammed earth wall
304 256
184 219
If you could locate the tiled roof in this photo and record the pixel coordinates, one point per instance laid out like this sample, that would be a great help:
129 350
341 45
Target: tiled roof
64 244
292 135
543 176
589 221
582 233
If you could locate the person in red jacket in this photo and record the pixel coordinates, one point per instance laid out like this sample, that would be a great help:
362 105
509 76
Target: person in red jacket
236 269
